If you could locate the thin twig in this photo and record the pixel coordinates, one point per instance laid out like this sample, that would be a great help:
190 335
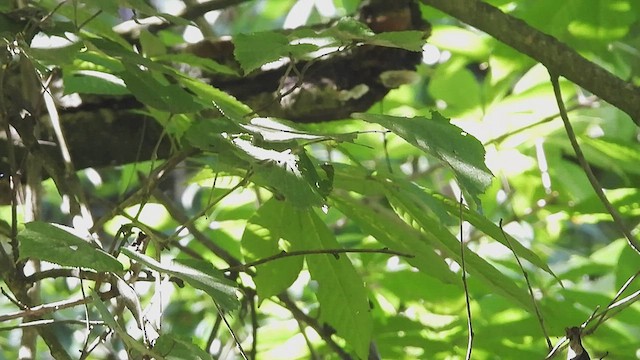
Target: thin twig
233 334
466 288
334 252
601 316
14 300
299 315
526 279
214 333
595 184
254 326
45 322
54 306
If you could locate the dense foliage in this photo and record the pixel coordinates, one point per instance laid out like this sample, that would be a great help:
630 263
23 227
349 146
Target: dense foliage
456 202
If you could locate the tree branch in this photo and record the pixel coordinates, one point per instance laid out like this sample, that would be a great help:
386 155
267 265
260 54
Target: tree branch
555 55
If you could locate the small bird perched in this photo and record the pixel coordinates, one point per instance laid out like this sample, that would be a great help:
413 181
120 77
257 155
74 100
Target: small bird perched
576 350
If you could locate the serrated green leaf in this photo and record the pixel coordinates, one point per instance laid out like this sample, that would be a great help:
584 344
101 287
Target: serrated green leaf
441 238
254 50
269 232
447 142
279 172
489 228
384 225
162 96
408 40
342 296
198 274
48 242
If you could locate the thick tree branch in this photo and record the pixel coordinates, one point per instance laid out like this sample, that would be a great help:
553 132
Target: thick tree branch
555 55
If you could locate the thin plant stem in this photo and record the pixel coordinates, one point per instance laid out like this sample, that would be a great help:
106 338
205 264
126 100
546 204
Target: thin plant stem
466 288
526 279
595 184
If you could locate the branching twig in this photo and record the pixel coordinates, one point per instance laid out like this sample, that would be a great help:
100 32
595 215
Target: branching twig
466 288
334 252
526 279
617 219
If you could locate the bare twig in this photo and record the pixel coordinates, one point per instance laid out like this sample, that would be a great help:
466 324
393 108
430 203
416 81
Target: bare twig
15 301
334 252
466 288
603 315
526 279
46 322
233 334
52 307
595 184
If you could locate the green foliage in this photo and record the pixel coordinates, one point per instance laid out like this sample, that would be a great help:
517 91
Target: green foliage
349 233
56 244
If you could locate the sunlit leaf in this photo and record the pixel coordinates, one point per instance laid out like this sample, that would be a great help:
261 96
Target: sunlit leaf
268 232
341 293
447 142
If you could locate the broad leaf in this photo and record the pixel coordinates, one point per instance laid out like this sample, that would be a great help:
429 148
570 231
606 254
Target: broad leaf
48 242
341 294
391 231
198 274
256 49
443 240
489 228
132 344
268 233
447 142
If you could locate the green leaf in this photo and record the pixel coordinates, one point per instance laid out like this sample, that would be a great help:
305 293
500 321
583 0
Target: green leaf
269 232
342 296
489 228
176 347
408 40
92 83
160 95
254 50
53 243
209 65
279 172
447 142
131 343
384 225
199 274
348 29
449 245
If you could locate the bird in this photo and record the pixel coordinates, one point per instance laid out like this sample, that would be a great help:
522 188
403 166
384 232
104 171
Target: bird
576 350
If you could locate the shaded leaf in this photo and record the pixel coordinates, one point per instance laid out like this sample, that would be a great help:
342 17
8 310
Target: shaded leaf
199 274
48 242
